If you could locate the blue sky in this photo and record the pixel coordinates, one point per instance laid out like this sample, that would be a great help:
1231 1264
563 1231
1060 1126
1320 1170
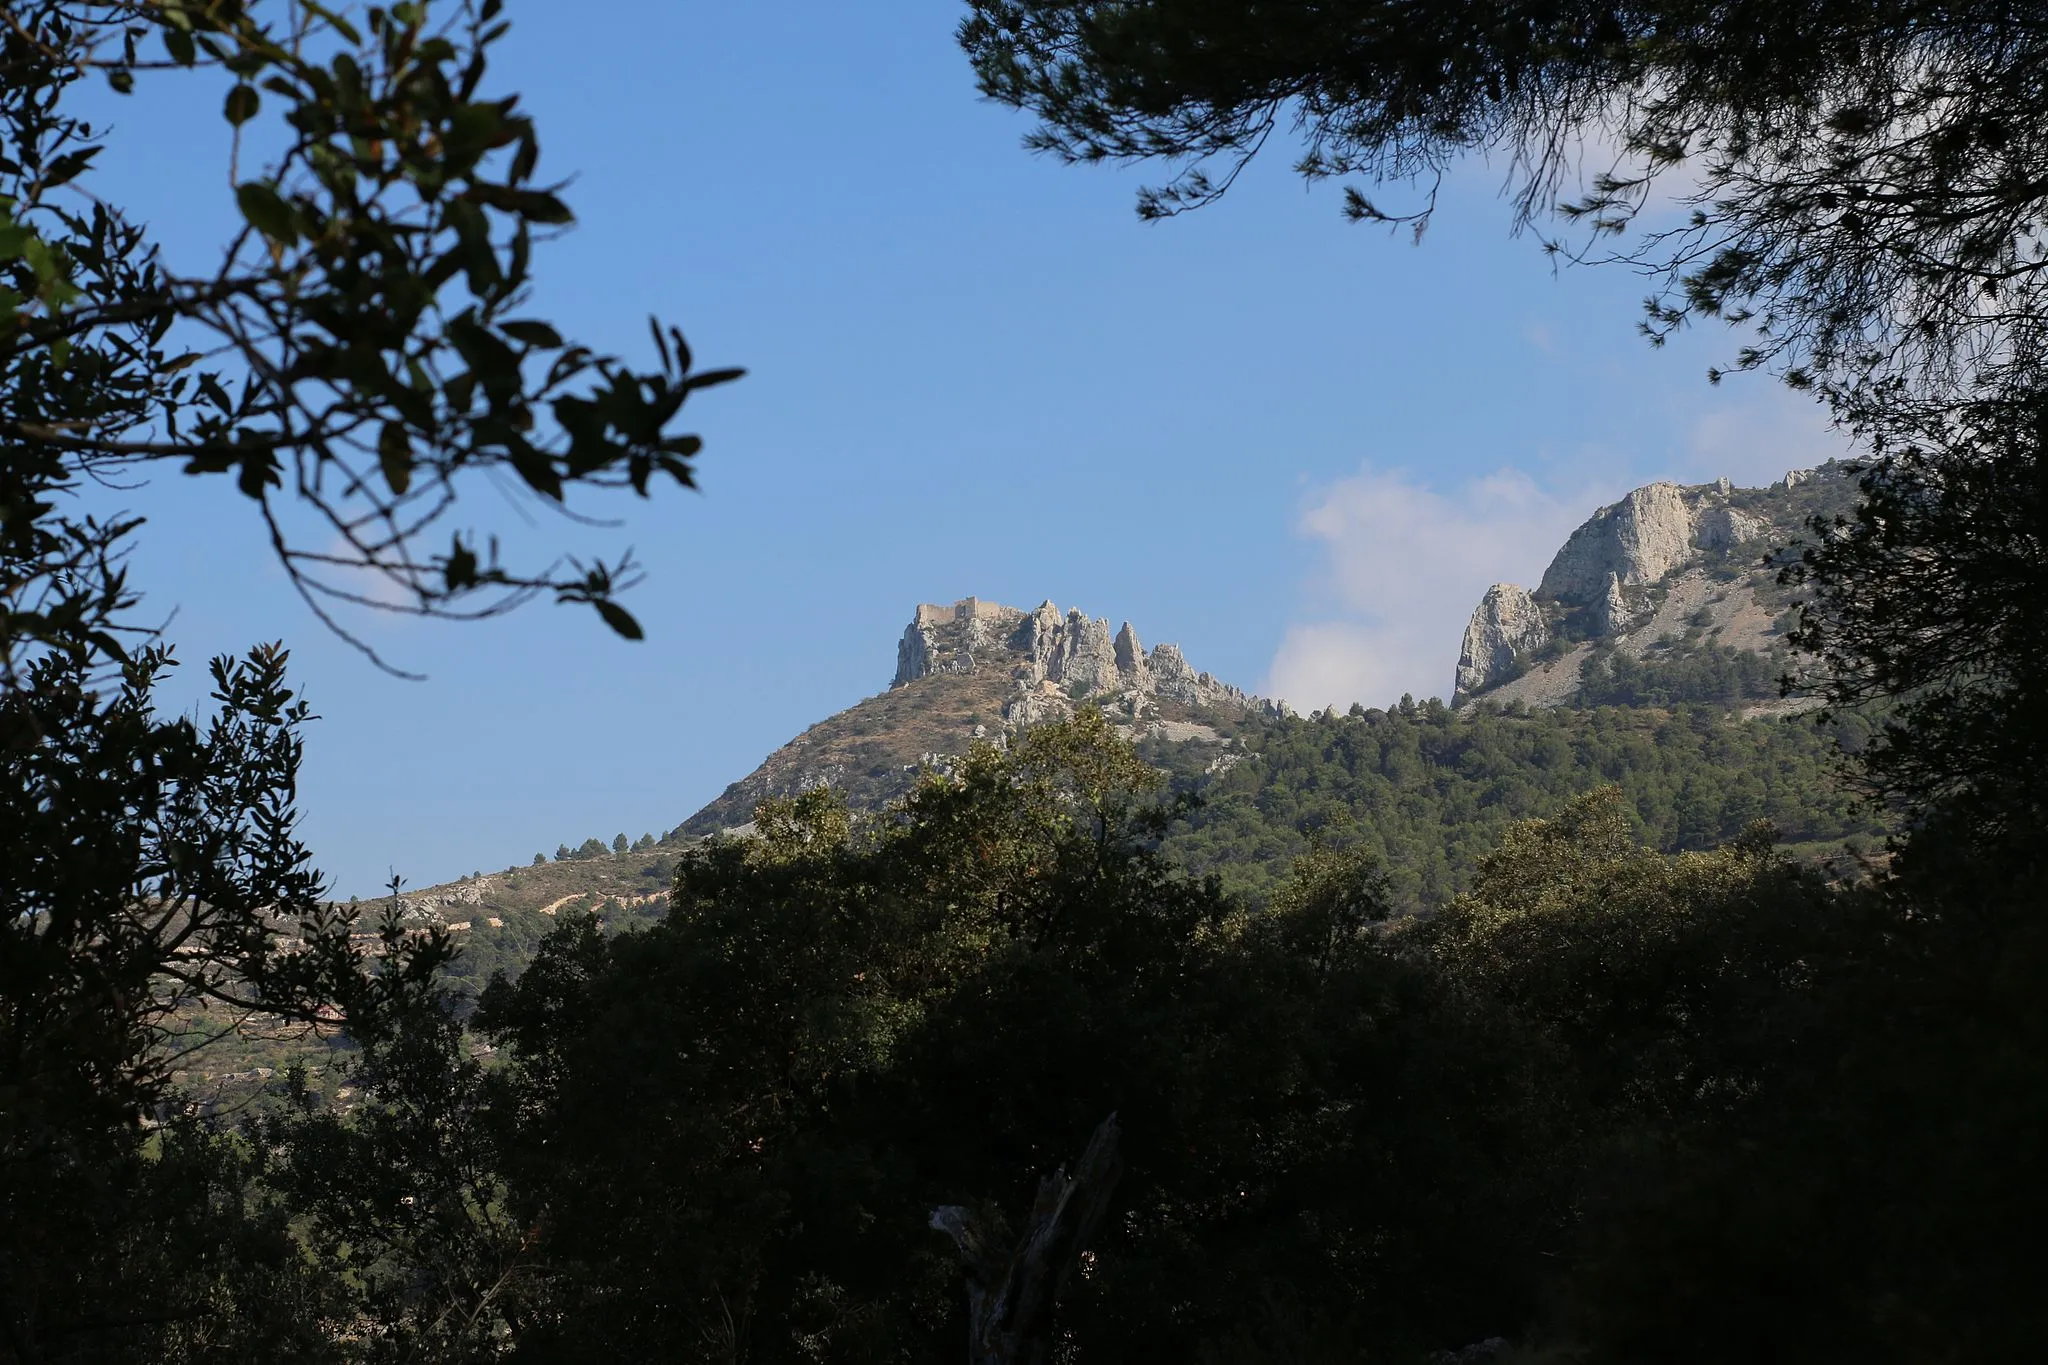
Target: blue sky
1297 447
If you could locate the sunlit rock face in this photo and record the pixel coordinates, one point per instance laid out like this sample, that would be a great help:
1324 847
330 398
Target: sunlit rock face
1721 528
1617 613
1056 660
1638 540
1507 622
975 671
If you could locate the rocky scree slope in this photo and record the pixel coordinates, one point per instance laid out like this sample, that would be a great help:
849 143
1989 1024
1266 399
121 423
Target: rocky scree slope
1669 576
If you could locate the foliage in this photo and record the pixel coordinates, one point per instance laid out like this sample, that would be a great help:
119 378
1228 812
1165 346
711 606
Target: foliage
735 1122
1706 674
1863 184
1840 1095
358 355
1847 1098
152 865
1930 599
1667 979
399 1199
1430 791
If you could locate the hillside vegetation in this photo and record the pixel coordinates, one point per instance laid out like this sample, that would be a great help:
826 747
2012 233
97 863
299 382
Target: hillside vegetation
1429 790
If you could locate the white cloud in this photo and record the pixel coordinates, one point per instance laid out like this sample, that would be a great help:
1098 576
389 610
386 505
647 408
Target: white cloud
1405 564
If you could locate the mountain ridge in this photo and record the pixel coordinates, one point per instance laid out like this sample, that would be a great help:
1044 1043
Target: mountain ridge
1670 577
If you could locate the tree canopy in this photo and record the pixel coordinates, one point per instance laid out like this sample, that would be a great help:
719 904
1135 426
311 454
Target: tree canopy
1860 186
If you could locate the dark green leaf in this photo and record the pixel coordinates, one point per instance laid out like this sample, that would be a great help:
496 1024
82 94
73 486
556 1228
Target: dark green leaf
340 25
535 206
267 212
242 104
259 471
532 332
394 456
460 570
707 378
66 167
618 618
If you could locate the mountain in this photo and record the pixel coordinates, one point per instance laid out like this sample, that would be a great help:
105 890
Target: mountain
1669 595
974 670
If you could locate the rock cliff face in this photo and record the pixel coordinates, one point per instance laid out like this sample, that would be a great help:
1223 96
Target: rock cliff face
1622 578
1507 623
1054 660
1638 540
946 639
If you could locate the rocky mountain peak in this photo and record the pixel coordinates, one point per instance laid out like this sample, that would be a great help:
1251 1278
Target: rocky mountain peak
1507 623
972 670
1055 660
1664 559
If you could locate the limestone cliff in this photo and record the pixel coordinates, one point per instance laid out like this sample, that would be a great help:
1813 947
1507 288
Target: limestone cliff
1508 623
1666 565
1637 541
1055 660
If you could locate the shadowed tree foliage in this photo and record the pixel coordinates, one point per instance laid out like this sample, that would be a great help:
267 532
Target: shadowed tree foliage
1932 601
1635 1105
356 359
152 866
1805 1113
733 1127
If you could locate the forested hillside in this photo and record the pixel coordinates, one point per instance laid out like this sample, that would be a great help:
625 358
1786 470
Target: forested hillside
1430 790
1427 788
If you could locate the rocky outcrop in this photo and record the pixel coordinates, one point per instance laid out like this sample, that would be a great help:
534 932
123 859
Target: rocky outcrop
1171 675
1087 659
1130 658
947 639
1618 581
1055 660
432 907
1167 674
1616 614
915 653
1507 623
1722 528
1636 541
973 671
